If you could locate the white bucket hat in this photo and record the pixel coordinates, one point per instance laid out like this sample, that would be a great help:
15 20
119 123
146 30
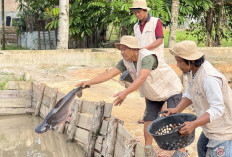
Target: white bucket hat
129 41
186 50
140 4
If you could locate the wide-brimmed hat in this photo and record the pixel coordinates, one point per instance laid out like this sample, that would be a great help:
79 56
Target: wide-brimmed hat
129 41
187 50
140 4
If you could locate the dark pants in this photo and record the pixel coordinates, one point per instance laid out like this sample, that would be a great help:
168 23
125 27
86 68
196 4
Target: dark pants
201 145
154 107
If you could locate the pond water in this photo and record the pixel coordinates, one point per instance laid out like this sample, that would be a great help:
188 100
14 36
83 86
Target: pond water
18 139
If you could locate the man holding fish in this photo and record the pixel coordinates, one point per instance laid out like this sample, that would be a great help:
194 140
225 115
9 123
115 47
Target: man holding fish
156 80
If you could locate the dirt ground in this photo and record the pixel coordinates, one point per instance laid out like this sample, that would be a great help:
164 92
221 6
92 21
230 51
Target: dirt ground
65 78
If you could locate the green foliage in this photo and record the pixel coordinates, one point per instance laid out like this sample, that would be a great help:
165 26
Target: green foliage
32 10
2 85
14 47
6 77
54 16
89 19
186 35
198 31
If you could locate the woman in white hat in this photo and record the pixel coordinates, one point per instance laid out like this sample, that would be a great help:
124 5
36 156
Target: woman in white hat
156 81
209 92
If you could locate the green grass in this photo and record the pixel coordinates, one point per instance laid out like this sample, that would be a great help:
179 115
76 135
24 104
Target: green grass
182 35
13 47
6 77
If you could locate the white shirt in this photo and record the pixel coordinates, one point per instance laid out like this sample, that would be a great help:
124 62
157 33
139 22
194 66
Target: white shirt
213 90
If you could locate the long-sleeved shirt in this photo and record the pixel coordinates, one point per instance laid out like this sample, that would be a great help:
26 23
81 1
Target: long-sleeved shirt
213 90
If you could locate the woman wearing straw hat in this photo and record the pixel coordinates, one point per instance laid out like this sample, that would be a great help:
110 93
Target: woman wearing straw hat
156 81
211 96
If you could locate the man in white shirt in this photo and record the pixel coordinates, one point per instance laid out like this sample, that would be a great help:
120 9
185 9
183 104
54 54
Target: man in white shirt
208 90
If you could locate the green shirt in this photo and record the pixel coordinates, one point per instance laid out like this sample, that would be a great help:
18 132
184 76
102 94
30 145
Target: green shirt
149 62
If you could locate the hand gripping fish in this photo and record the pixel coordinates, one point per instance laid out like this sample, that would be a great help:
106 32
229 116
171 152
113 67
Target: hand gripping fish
59 111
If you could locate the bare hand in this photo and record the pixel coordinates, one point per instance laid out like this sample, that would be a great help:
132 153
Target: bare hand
188 128
120 97
170 111
83 84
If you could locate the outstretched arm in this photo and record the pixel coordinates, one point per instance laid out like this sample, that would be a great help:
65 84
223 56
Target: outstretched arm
121 96
101 78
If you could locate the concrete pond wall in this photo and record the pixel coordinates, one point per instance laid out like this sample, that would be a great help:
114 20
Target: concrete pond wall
93 57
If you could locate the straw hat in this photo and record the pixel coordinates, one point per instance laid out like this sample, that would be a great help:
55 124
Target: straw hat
187 50
129 41
142 4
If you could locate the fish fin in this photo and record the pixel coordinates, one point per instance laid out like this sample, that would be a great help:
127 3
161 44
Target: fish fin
79 94
79 90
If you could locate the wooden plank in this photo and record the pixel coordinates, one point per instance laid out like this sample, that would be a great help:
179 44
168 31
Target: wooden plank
96 154
15 111
44 110
78 102
39 101
53 99
99 143
139 150
100 139
46 100
33 103
119 149
98 147
88 107
36 87
108 110
123 135
104 147
85 120
59 96
95 127
18 85
21 102
111 137
14 94
126 141
104 127
81 136
35 96
36 90
49 91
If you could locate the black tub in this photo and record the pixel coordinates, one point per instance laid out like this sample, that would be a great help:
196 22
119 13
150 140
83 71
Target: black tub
165 131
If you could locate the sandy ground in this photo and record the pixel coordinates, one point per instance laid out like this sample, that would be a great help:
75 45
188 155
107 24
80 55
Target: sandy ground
66 77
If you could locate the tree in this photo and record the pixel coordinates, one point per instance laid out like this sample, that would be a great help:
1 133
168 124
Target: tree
3 27
63 27
174 23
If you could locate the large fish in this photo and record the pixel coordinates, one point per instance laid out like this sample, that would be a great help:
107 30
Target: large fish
59 111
